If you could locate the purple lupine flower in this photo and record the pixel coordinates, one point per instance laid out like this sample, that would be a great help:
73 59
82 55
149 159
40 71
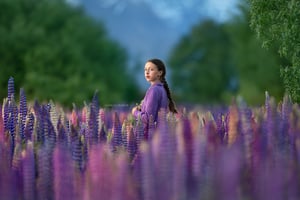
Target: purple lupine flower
220 122
100 175
62 137
188 143
48 128
95 103
11 88
53 114
163 155
139 132
29 126
228 172
179 189
39 136
148 181
270 121
285 133
23 113
6 113
77 149
247 133
93 124
124 187
29 171
1 126
7 181
45 173
63 173
116 141
131 142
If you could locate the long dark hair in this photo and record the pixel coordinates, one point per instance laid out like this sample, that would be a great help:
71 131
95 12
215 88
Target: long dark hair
161 67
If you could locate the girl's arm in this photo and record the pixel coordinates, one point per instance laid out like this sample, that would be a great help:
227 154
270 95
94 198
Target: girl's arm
151 105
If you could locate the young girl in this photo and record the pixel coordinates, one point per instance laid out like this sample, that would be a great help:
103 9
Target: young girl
158 95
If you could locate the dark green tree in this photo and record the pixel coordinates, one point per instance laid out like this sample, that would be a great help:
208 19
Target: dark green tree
217 61
257 68
201 67
277 22
55 51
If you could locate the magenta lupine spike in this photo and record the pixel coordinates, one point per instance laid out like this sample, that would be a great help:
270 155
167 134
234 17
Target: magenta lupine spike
228 173
74 118
45 173
63 174
164 157
11 88
22 113
100 175
148 181
124 187
179 189
29 171
188 143
271 181
116 141
200 153
102 135
7 181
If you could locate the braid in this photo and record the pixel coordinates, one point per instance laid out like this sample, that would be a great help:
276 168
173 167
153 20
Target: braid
171 102
161 67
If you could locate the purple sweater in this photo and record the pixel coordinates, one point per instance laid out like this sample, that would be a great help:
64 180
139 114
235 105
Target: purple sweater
155 99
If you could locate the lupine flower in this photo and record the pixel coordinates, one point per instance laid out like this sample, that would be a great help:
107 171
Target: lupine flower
116 141
29 171
63 174
22 113
11 88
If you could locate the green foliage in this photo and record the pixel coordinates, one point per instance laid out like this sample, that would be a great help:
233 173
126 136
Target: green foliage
201 68
257 68
277 21
217 61
56 51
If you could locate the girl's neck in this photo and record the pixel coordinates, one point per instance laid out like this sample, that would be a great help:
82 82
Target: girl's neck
155 82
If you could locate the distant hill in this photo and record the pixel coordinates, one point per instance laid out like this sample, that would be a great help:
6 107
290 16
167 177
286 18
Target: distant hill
138 28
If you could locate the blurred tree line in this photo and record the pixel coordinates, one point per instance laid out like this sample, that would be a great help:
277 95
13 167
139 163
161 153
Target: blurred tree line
216 61
55 51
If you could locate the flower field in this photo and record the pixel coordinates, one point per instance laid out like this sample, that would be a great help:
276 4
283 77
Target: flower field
237 152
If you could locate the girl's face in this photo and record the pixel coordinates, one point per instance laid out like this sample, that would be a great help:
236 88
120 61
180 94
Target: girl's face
152 74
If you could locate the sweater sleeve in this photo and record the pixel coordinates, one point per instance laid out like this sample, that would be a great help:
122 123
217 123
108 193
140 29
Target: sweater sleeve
151 105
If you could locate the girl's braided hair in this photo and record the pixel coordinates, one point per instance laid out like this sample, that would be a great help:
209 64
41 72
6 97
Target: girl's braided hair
161 67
